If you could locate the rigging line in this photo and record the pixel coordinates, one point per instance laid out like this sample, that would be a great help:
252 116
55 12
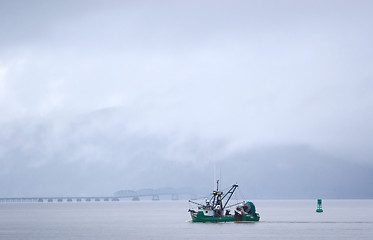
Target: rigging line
236 193
225 189
241 195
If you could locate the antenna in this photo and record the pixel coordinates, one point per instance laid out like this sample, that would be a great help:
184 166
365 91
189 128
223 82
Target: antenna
214 174
220 174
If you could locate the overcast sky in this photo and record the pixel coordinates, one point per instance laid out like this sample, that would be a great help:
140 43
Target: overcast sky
248 73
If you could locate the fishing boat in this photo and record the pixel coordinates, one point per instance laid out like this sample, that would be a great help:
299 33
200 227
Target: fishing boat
217 209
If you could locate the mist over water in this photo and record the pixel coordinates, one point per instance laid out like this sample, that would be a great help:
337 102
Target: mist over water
102 96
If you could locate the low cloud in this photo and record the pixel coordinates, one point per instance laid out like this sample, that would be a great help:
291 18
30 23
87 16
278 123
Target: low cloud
91 84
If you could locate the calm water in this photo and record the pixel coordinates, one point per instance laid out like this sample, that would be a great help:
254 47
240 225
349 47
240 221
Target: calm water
288 219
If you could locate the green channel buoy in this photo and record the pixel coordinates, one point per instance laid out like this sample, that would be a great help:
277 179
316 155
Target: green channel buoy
319 206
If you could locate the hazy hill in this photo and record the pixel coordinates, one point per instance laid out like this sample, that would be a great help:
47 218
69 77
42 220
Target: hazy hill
96 154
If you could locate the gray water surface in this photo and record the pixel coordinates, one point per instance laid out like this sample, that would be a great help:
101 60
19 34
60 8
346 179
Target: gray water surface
280 219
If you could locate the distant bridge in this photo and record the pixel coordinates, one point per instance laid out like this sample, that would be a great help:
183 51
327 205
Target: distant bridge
154 193
117 196
57 199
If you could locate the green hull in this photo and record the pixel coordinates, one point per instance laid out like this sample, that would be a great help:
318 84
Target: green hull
200 217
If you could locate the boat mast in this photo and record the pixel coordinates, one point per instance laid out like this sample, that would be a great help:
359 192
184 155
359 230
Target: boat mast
230 192
216 198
